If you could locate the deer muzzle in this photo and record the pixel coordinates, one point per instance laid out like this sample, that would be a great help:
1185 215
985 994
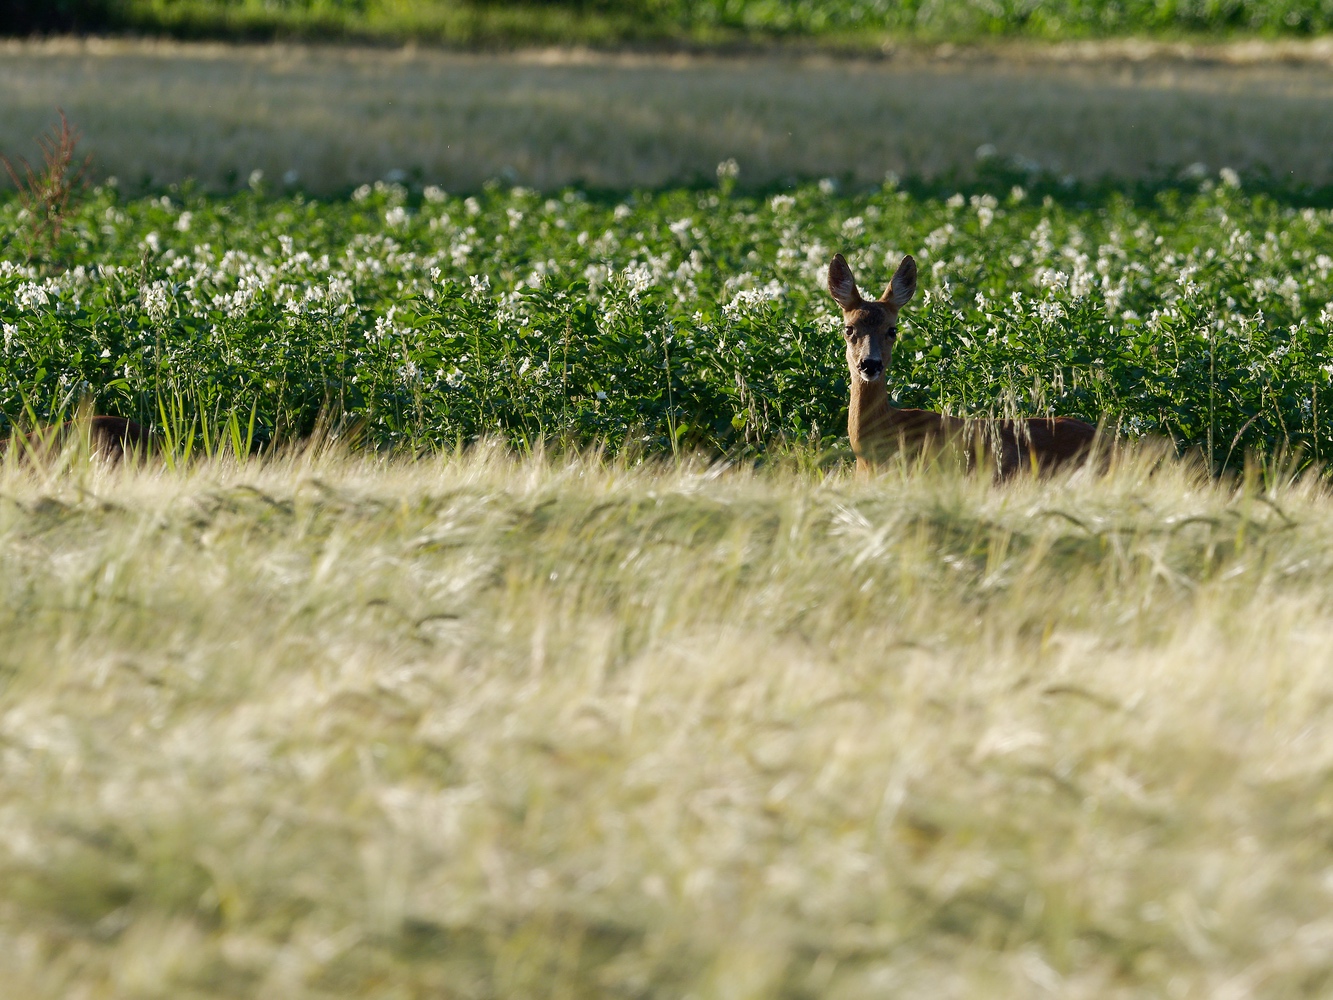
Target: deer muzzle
870 369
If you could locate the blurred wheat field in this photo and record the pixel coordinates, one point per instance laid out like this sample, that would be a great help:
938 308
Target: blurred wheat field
482 726
329 118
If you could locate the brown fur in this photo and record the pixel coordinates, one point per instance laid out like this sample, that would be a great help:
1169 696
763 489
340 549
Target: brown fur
110 438
877 430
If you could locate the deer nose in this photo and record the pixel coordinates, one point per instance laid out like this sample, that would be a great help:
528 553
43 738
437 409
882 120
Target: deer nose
871 368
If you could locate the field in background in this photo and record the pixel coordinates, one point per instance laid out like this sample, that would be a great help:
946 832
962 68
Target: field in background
856 24
332 118
474 727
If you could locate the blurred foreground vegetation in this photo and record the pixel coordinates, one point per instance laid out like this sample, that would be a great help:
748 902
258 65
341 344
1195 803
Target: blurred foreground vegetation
471 727
858 23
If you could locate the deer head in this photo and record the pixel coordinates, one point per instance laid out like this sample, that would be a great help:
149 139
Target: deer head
870 327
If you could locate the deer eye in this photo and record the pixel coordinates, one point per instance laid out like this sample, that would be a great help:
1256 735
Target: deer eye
849 332
891 333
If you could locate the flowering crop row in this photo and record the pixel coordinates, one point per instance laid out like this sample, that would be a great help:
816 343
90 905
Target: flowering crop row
682 318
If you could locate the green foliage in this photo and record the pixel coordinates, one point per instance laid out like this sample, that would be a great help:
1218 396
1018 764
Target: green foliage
698 21
26 16
684 318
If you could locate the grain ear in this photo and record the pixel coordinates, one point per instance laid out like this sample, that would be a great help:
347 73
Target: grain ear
841 284
902 286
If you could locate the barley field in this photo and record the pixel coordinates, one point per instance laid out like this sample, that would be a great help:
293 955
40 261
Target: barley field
566 726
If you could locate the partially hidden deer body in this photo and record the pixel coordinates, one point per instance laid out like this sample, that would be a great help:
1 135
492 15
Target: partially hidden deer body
111 438
878 430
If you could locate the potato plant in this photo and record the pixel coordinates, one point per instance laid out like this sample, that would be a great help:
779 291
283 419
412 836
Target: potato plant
679 319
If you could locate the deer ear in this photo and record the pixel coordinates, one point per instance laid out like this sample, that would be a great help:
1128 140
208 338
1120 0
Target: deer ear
841 284
902 286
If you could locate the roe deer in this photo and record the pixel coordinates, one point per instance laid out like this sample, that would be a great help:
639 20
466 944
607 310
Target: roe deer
877 429
110 438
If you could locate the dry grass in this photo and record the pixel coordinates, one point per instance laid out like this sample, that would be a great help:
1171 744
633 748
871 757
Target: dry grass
157 112
484 727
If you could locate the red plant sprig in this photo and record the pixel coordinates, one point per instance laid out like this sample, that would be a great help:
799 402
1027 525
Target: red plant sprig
45 192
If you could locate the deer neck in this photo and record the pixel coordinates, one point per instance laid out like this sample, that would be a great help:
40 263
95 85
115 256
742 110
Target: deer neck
869 419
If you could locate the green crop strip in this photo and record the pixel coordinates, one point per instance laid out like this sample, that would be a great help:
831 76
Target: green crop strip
680 319
854 23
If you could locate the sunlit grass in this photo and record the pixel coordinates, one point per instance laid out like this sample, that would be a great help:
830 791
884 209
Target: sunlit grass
570 726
